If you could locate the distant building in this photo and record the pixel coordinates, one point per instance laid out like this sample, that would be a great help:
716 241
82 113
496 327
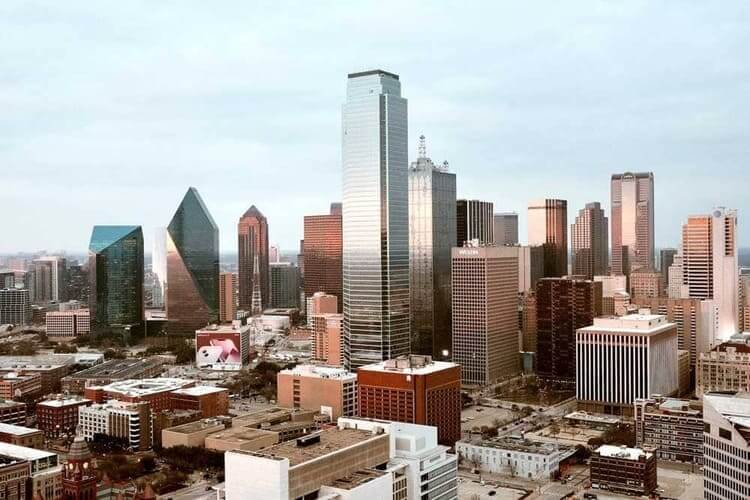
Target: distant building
529 323
68 324
623 470
611 287
128 422
672 427
666 259
589 236
646 282
676 287
505 228
228 297
15 307
112 371
252 239
49 279
331 391
320 303
474 221
632 220
515 457
327 339
285 285
548 228
159 266
322 255
726 368
58 416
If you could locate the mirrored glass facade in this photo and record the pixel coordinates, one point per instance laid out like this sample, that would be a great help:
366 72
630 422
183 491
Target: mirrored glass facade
192 267
375 219
632 221
116 277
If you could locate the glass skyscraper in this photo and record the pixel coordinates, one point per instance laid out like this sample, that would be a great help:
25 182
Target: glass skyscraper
632 221
375 219
116 277
192 267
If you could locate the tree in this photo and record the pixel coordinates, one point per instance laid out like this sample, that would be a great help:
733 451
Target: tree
65 348
183 352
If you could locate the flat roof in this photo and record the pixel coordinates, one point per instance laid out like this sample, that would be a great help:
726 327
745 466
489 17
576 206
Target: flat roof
199 425
16 430
409 366
59 403
12 450
356 479
515 444
118 368
642 324
223 328
200 390
147 386
594 418
317 371
372 72
624 452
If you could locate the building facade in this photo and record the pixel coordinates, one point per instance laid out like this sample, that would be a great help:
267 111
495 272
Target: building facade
589 240
624 470
726 446
68 324
474 221
672 427
646 282
505 228
332 391
15 307
323 255
128 422
252 240
548 228
228 297
515 457
59 416
632 213
327 339
726 368
285 285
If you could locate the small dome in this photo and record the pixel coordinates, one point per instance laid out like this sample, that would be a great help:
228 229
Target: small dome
79 450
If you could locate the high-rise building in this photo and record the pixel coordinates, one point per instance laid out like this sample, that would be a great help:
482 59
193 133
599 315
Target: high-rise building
589 239
192 267
159 265
548 227
7 278
327 340
322 254
78 283
228 297
528 322
505 228
676 287
646 282
116 277
563 305
274 253
666 259
49 279
612 287
743 317
413 389
632 207
710 267
432 229
474 221
284 285
530 266
329 390
375 219
485 313
15 307
252 238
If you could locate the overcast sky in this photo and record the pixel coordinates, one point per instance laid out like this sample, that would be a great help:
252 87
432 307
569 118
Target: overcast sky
109 111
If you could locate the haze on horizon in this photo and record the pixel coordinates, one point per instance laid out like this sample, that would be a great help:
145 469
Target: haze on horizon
111 111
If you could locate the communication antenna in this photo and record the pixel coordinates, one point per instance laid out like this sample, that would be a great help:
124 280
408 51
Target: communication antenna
422 147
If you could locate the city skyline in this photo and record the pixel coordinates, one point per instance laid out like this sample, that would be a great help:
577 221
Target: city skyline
498 123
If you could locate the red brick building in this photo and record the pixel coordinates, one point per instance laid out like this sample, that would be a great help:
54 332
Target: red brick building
14 385
59 416
413 389
12 412
210 401
323 255
156 391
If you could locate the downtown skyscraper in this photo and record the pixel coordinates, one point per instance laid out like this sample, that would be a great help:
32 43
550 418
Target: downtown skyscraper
192 267
322 254
548 228
589 241
375 219
474 221
632 221
252 241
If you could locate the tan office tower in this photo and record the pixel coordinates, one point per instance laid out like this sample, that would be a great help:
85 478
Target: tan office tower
227 297
589 239
322 254
710 268
327 341
646 282
485 313
632 221
548 227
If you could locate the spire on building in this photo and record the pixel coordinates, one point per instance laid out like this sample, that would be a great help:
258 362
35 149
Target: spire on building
257 300
422 147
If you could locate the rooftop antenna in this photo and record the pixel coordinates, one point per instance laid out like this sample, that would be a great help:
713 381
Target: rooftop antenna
422 147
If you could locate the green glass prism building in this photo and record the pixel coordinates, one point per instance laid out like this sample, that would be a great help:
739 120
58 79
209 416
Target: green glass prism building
116 278
192 267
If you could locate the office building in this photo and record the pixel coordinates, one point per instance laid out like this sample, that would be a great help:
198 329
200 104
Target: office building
43 471
59 416
285 285
112 371
130 423
676 287
157 392
710 267
548 228
208 400
68 324
612 287
14 474
323 254
327 339
21 436
192 267
331 391
528 322
632 219
563 306
485 313
320 303
589 240
252 237
666 259
375 219
49 279
413 389
78 283
228 298
505 228
15 307
726 368
515 457
619 360
646 282
672 427
12 412
7 278
14 385
726 446
620 469
530 266
432 229
159 266
474 221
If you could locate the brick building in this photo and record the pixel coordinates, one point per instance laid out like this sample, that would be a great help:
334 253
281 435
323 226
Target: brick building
623 470
12 412
311 387
155 391
112 371
210 401
21 436
60 415
16 386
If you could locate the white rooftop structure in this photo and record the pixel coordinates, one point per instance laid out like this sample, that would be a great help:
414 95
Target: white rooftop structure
22 452
16 430
410 365
733 407
200 390
318 371
642 322
147 386
63 401
622 452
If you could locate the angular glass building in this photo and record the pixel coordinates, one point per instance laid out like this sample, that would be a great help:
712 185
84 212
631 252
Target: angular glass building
375 219
192 267
116 278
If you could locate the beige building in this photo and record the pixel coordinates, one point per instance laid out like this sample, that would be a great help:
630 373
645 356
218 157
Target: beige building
528 322
327 339
228 296
646 282
68 324
725 368
589 241
612 289
331 391
673 427
242 438
321 303
191 433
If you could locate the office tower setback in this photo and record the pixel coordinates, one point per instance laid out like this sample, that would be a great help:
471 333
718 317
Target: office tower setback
375 219
432 229
252 238
116 277
589 239
228 297
159 266
192 267
285 285
474 221
548 228
505 228
632 214
666 259
710 267
322 254
612 287
485 313
15 307
646 282
563 305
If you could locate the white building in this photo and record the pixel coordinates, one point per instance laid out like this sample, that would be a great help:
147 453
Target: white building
68 324
130 422
515 457
676 287
726 446
619 360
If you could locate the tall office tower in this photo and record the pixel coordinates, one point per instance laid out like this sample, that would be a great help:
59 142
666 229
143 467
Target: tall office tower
632 212
563 305
116 278
710 268
284 285
666 259
528 322
7 278
78 283
474 221
15 307
646 282
676 287
744 300
274 254
252 237
49 276
159 265
228 296
530 266
375 219
726 446
192 267
322 254
505 228
589 237
432 229
485 313
548 228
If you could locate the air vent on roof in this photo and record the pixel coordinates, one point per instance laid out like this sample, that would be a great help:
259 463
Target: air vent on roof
308 440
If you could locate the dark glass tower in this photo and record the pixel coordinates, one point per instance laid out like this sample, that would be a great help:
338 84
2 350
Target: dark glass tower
192 267
116 277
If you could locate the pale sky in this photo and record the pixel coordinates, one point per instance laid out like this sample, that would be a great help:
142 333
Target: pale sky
110 110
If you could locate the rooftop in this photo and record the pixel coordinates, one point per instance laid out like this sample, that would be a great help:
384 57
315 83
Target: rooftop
733 407
199 425
410 365
224 328
12 450
356 479
147 386
523 445
639 323
119 368
373 72
593 418
17 430
318 371
64 401
200 390
622 452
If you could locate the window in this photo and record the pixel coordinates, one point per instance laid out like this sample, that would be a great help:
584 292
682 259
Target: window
726 434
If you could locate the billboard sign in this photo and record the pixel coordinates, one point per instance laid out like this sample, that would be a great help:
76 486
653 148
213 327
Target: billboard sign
218 351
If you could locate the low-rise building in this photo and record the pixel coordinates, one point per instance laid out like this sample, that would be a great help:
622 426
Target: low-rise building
155 391
332 391
67 324
21 436
44 469
128 422
672 427
725 369
223 347
726 446
17 386
623 470
59 416
191 434
50 373
515 457
14 474
210 401
171 418
113 371
12 412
